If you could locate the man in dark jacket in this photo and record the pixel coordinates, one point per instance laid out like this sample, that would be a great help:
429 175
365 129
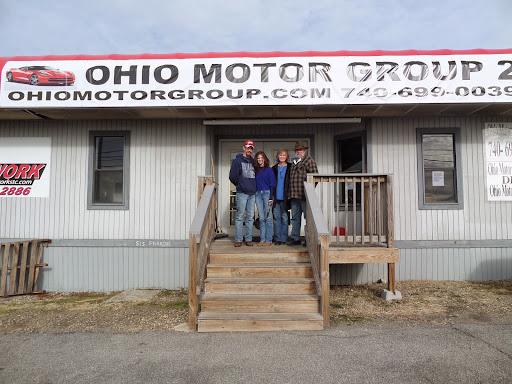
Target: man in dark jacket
243 177
301 166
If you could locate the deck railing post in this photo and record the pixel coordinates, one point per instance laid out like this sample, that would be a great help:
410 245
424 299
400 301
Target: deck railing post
192 283
389 215
325 280
390 231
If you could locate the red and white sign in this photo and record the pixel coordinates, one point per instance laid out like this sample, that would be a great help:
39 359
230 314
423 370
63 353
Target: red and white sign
25 167
305 79
497 139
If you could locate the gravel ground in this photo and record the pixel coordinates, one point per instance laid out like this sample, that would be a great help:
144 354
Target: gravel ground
423 302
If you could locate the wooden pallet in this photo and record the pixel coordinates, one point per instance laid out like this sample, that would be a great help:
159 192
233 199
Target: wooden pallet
19 266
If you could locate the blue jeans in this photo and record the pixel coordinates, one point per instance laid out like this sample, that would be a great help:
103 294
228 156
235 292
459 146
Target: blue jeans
265 215
281 221
298 208
244 212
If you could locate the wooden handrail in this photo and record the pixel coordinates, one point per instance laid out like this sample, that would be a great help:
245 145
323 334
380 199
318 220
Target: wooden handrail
317 238
201 235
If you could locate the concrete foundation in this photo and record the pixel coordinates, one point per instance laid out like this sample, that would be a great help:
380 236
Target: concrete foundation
388 295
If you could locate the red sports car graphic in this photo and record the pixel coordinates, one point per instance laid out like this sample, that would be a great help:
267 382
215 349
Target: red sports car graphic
40 74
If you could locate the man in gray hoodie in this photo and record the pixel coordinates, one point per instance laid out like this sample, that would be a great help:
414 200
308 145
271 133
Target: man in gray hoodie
243 177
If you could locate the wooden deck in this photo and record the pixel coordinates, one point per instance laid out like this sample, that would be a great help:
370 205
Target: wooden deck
337 254
351 254
227 245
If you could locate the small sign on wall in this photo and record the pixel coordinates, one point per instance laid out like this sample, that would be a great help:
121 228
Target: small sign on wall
25 167
497 138
438 178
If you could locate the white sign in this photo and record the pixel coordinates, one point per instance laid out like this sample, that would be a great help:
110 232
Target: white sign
146 81
25 166
497 139
438 178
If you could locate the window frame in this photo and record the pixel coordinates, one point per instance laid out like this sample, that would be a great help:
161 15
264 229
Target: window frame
91 173
456 132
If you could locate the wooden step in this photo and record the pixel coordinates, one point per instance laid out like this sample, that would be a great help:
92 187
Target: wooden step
257 270
260 303
259 257
258 322
254 286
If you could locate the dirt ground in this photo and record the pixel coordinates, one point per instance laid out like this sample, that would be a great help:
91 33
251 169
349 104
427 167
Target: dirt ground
423 302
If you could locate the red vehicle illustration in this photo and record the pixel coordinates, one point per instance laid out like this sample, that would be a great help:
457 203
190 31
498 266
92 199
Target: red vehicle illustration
40 74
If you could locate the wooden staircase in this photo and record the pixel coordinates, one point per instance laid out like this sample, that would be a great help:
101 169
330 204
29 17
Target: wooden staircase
259 289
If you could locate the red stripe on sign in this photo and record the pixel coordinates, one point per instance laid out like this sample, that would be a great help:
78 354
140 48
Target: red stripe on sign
408 52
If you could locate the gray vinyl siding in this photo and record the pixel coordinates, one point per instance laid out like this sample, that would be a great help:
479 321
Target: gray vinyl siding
165 159
105 269
322 137
476 264
394 151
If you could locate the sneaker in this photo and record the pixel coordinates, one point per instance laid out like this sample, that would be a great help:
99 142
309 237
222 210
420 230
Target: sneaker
267 244
238 244
249 243
278 243
293 242
261 244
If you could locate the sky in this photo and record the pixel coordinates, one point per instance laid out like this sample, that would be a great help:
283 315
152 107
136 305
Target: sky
100 27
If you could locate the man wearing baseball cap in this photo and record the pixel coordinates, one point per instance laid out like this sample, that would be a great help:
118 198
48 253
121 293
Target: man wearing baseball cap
243 177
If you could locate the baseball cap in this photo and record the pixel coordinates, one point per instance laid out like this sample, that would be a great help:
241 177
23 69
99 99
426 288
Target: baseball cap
249 143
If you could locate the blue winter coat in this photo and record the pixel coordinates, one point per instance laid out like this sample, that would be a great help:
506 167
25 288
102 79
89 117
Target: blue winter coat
242 175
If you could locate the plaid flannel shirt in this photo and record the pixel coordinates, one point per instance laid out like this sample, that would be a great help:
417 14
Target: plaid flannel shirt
298 176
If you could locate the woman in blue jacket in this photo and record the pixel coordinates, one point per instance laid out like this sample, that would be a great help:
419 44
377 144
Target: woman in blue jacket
281 201
265 185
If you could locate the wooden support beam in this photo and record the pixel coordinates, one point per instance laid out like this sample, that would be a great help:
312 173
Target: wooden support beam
391 277
356 255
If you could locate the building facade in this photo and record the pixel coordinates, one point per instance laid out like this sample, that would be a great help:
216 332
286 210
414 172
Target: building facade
113 170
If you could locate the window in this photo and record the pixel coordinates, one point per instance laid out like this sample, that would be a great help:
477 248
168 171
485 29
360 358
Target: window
350 158
108 170
439 171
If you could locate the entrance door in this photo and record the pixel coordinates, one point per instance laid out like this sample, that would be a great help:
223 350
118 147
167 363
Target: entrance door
229 149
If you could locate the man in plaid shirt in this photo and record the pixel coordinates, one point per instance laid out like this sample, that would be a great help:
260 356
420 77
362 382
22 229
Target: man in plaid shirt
301 166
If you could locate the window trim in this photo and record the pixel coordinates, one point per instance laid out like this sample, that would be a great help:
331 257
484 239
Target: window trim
126 171
456 132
